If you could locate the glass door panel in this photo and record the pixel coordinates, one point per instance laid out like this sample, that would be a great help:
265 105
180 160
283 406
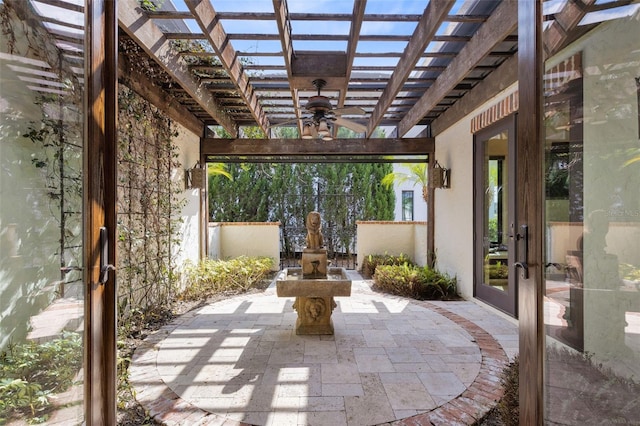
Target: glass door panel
592 208
41 160
494 215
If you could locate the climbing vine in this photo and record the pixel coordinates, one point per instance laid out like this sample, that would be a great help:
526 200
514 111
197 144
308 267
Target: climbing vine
148 204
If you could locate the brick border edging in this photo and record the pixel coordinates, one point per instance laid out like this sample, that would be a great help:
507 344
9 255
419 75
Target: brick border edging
482 395
485 391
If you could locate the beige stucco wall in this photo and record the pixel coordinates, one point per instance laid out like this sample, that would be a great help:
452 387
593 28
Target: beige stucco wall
188 154
453 237
228 240
394 238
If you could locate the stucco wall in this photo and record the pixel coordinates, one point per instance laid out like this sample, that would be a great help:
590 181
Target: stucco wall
394 238
453 237
228 240
188 249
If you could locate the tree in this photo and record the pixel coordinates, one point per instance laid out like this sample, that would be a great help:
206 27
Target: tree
343 193
416 174
218 169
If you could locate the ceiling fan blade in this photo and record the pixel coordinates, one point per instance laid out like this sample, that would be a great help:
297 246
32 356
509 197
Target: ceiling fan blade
356 127
349 111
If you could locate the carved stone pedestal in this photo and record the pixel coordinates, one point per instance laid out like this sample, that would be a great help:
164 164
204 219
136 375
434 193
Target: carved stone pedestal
314 315
314 297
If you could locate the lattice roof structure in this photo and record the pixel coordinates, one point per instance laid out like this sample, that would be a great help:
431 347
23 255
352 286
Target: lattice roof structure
409 66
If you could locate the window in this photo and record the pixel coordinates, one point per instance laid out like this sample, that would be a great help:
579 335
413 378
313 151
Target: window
407 205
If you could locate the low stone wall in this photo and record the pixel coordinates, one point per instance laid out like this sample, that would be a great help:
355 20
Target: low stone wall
394 238
232 239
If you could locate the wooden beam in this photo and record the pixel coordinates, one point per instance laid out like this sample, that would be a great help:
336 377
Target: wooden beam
284 29
139 27
205 16
503 77
359 7
557 34
140 83
433 16
303 147
502 22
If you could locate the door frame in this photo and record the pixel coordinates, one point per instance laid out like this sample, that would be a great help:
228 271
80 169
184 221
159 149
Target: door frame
529 205
505 301
99 199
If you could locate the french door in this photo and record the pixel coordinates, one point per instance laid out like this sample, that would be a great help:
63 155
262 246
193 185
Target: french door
495 222
57 191
579 133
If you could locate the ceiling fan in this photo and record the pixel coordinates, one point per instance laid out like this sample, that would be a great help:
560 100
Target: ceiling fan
322 116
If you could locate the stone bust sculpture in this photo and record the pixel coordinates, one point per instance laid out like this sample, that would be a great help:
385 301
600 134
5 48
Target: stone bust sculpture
314 235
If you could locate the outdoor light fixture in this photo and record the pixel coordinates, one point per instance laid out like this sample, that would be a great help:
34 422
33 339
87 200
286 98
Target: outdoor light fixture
194 178
317 127
440 176
306 131
323 129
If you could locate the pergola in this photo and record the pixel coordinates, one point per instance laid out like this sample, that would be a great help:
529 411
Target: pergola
208 64
234 64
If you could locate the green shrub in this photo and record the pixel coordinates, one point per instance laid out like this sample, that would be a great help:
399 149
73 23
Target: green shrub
498 271
237 275
434 285
30 372
407 280
395 279
371 262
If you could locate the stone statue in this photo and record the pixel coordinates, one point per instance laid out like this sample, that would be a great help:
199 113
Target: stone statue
315 240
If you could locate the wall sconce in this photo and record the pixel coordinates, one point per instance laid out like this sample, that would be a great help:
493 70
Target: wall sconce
440 176
195 178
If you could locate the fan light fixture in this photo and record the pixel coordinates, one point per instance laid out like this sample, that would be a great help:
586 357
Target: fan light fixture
317 128
323 119
318 125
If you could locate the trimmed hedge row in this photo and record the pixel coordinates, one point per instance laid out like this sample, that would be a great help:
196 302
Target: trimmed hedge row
210 277
422 283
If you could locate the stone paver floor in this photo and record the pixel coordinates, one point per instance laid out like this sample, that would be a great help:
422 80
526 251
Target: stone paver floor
391 360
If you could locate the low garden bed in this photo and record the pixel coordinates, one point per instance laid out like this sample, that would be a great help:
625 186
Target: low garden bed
400 276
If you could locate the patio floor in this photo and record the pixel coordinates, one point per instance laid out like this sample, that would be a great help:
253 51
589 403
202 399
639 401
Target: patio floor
391 360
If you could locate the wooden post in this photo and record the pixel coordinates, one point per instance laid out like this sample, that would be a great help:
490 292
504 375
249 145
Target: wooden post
100 185
529 205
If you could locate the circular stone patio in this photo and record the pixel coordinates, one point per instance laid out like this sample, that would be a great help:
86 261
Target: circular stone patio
391 360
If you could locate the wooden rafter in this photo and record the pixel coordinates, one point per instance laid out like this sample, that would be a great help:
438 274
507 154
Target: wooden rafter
141 84
434 15
380 89
205 16
284 29
359 7
557 34
138 26
505 76
502 22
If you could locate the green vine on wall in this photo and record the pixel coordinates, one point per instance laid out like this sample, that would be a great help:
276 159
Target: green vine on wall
148 207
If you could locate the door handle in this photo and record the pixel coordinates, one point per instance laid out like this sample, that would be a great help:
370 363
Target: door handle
105 266
522 263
